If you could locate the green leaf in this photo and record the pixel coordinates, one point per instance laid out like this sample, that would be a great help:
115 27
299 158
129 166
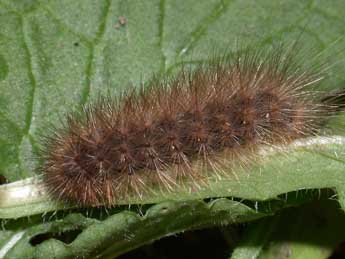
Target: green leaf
255 238
313 231
309 164
56 56
126 230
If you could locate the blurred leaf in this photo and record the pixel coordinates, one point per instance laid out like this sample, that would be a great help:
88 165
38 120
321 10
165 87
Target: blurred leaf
255 238
313 231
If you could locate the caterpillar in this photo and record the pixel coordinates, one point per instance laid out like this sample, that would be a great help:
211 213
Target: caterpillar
181 128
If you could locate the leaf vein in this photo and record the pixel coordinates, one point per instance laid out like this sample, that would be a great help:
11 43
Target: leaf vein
89 67
200 30
161 34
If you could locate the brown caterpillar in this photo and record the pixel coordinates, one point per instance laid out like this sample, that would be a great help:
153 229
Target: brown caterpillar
156 135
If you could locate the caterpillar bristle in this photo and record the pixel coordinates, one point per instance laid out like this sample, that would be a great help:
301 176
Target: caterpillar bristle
171 130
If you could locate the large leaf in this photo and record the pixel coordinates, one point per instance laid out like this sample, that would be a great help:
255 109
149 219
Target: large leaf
58 55
126 230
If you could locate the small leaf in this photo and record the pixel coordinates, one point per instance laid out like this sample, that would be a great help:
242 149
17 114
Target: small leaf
313 231
255 238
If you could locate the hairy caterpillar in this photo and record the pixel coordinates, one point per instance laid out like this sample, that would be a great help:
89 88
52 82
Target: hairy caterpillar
172 129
